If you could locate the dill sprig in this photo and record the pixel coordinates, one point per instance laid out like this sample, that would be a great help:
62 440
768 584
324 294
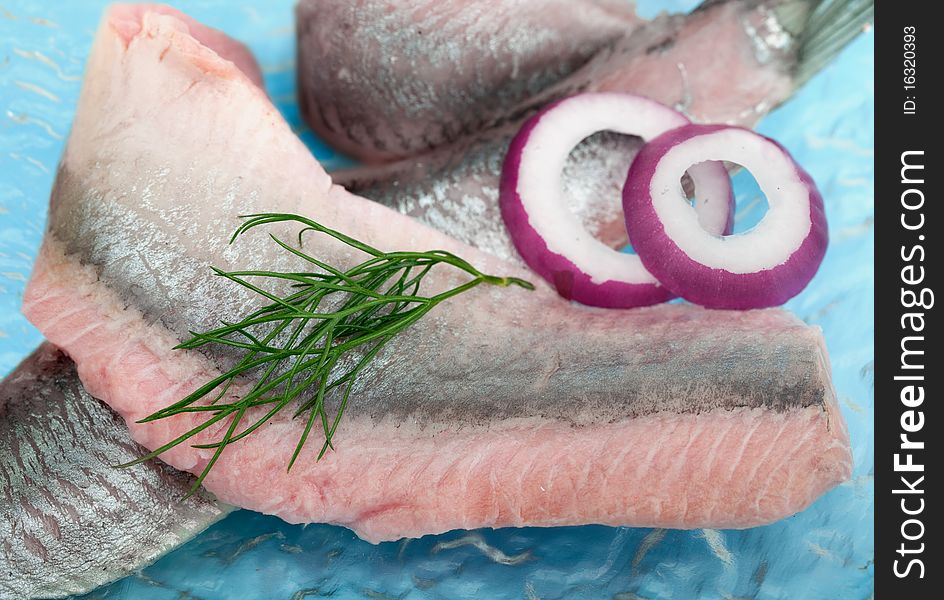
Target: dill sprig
294 347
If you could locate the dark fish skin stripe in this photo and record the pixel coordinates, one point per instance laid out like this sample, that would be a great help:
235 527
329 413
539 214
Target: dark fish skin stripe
69 520
462 365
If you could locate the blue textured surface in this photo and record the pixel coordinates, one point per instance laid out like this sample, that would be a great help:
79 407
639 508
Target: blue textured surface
824 552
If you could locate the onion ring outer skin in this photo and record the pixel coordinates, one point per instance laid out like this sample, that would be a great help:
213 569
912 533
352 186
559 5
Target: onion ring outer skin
570 280
688 276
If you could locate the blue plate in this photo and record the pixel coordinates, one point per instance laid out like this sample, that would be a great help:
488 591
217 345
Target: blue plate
824 552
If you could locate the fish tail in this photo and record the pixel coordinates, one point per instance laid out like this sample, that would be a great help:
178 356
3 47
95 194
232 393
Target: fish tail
822 28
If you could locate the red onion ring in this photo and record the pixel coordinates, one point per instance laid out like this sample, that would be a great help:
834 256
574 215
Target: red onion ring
765 266
550 238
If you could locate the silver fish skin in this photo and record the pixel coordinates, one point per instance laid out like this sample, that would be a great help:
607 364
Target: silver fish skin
729 61
455 189
381 79
69 520
456 192
376 98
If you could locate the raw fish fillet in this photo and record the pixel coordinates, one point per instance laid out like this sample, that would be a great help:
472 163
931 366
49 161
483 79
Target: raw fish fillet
377 77
455 188
69 520
502 407
383 80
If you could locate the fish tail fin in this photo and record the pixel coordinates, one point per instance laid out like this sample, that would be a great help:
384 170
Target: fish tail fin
823 28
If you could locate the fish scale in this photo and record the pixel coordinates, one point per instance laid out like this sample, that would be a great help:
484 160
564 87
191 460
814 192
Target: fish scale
457 192
69 520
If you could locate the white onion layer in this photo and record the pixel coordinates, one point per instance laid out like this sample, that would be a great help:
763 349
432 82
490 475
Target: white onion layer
778 234
540 186
765 266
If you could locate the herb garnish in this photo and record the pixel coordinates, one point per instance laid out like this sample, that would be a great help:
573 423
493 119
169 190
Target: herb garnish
292 350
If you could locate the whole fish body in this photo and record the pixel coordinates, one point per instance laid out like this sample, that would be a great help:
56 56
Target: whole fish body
726 62
382 80
404 64
501 407
69 520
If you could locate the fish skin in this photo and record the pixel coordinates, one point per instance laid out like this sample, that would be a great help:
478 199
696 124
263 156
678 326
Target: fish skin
505 394
727 61
469 60
456 191
69 520
677 60
455 188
